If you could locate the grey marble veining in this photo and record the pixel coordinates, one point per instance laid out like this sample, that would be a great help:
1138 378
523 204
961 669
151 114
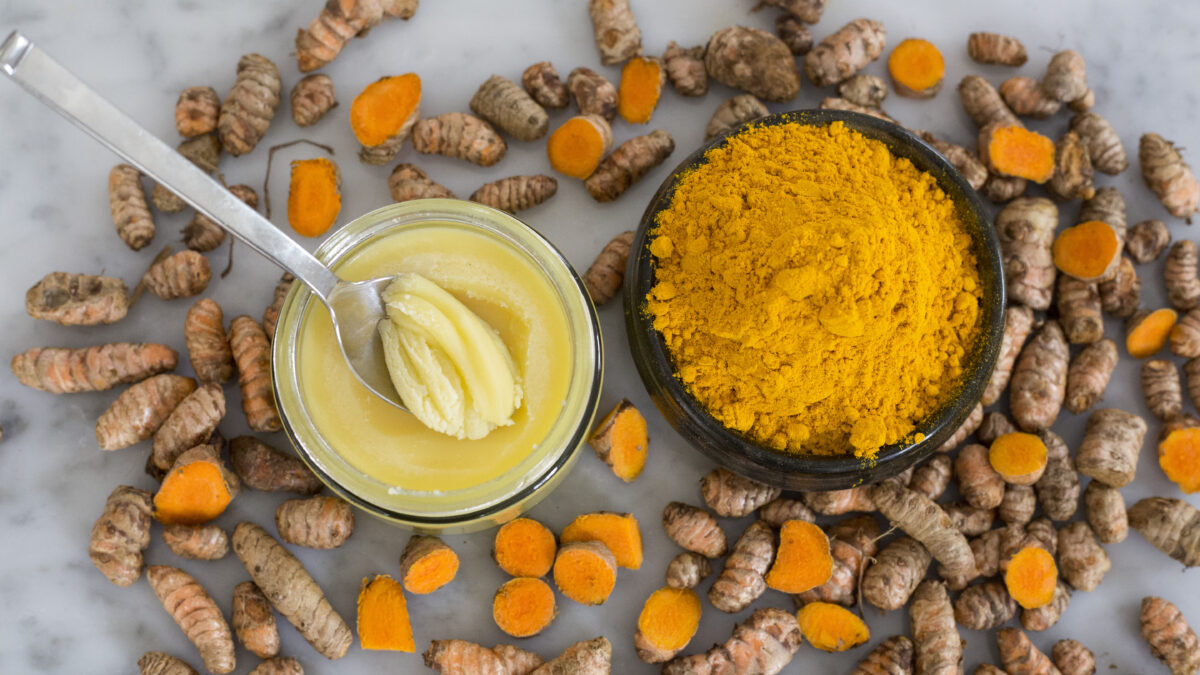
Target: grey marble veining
63 617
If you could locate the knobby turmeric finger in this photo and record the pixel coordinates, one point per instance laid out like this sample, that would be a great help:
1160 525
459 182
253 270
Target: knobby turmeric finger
1073 175
1179 457
314 196
685 69
252 351
694 529
161 663
615 30
311 98
617 531
524 548
78 299
843 53
196 490
516 193
140 410
1025 97
194 610
427 564
121 535
620 441
733 113
890 581
767 640
1171 639
407 182
202 234
576 148
247 111
523 607
593 93
586 572
1015 151
1031 577
338 22
1146 332
271 313
383 115
830 627
197 542
315 522
1180 275
794 33
191 423
803 560
997 49
130 212
459 135
730 495
917 68
207 344
1019 655
541 81
1168 176
742 581
632 160
505 104
180 275
669 619
71 371
196 111
383 616
1171 525
261 467
1111 443
606 274
459 657
687 570
642 80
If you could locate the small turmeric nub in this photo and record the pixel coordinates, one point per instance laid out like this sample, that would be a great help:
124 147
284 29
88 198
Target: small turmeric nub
620 440
314 196
641 86
1179 457
830 627
1146 332
196 490
522 607
1031 577
1089 251
386 108
576 148
803 560
524 548
617 531
383 616
427 564
586 572
1019 458
1011 150
917 68
667 623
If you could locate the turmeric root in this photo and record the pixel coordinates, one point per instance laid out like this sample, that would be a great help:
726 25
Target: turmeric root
803 560
732 496
542 83
994 425
837 502
966 161
1184 337
1031 577
159 663
78 299
279 665
1058 488
1019 458
290 588
993 48
407 182
1072 658
835 103
247 111
459 657
1018 324
1106 512
964 431
1039 380
764 643
669 619
1179 457
314 196
121 535
893 656
593 93
383 621
617 531
1019 656
1042 618
863 89
1010 150
253 621
311 98
925 521
1025 97
1066 77
1171 639
1019 503
261 467
582 658
140 410
935 637
459 135
1147 240
983 104
1002 189
978 482
620 440
898 568
933 477
1079 310
1146 332
576 148
1107 205
842 53
196 490
808 11
694 529
1170 525
917 68
687 570
1081 559
1162 389
733 113
252 352
506 105
180 275
516 193
604 277
1179 273
189 424
1110 447
130 212
685 69
794 34
523 606
972 521
196 111
851 542
197 542
427 564
759 63
615 30
830 627
1089 251
524 548
585 571
985 606
203 235
1073 176
632 160
71 371
1103 144
1121 295
208 347
194 610
641 85
315 522
339 21
1168 176
1025 228
742 581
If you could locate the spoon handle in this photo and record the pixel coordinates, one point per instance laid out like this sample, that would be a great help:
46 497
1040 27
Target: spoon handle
56 87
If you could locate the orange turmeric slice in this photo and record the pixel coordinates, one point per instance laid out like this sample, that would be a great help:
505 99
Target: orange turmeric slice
620 440
1031 577
668 622
522 607
1011 150
1179 457
383 616
1089 251
641 85
831 627
1146 332
618 532
314 196
384 108
803 561
586 572
524 548
1018 457
427 564
196 489
576 148
917 68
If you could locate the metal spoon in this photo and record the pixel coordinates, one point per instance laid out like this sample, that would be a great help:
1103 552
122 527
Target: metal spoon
355 308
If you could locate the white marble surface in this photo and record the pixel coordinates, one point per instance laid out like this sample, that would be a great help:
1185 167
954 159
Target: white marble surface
62 617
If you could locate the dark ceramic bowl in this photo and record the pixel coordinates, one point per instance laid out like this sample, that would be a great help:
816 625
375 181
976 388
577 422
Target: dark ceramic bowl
817 472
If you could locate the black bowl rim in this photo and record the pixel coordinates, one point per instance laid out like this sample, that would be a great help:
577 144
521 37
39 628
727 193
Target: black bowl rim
809 472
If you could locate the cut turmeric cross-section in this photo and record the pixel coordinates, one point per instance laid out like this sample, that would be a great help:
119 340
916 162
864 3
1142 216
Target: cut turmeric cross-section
196 489
427 564
1018 457
1179 457
803 560
1089 251
1146 332
585 572
314 196
1011 150
641 85
383 616
831 627
620 440
384 108
576 148
1031 577
522 607
917 68
618 532
667 623
525 548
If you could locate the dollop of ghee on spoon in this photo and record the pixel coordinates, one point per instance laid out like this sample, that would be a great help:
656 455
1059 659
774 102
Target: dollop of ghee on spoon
449 366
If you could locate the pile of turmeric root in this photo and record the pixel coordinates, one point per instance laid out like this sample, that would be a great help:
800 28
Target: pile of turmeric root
988 530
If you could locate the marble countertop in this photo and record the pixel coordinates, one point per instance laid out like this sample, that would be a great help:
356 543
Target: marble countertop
63 617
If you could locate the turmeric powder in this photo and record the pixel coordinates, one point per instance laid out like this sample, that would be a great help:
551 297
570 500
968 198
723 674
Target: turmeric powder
732 303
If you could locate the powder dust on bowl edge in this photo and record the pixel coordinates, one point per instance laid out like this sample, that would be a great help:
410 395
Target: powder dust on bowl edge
799 471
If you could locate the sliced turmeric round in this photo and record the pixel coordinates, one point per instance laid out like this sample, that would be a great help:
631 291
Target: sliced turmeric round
1031 577
1089 251
831 627
576 148
803 560
618 532
586 572
524 548
385 107
383 616
314 196
1179 457
196 490
1146 332
427 564
642 81
522 607
620 440
1012 150
668 621
1018 457
917 68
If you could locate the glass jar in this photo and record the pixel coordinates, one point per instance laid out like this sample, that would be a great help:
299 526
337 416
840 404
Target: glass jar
512 492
